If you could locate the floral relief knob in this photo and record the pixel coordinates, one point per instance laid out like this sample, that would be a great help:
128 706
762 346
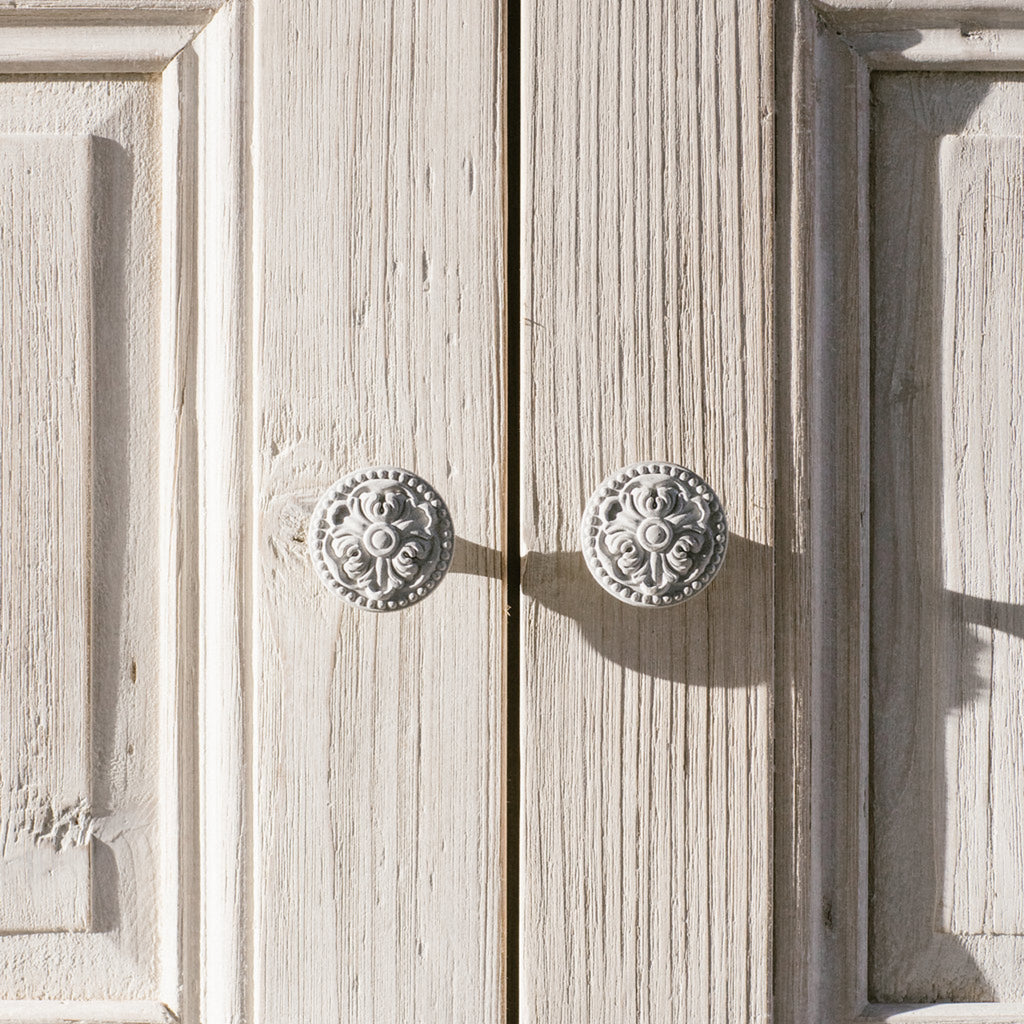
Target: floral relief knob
381 538
654 534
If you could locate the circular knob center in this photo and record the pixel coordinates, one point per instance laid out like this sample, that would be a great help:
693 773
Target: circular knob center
654 535
380 540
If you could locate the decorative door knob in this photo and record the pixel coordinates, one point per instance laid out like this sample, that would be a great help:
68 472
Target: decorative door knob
654 534
381 538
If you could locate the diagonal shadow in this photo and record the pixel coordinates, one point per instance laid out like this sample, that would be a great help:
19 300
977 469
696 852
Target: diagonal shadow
649 640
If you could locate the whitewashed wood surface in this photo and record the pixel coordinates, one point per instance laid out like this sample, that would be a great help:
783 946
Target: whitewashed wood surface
947 610
646 323
374 802
45 515
379 751
898 624
84 770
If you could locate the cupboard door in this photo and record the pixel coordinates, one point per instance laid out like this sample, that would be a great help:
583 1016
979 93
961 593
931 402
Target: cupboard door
645 326
256 247
245 250
900 889
379 739
102 870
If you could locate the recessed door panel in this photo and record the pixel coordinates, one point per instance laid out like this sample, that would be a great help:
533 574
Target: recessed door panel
86 765
45 533
946 772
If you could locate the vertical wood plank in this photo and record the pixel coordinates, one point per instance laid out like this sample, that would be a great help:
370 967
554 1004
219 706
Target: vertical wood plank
45 533
379 739
646 322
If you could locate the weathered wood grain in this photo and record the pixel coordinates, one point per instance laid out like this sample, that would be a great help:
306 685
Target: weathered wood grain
80 406
46 369
947 619
646 324
982 384
378 739
880 289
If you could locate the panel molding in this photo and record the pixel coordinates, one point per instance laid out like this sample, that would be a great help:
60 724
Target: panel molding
98 1011
41 37
901 38
201 48
225 380
826 53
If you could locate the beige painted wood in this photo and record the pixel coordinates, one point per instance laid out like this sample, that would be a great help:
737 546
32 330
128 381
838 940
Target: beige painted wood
647 333
379 751
346 772
947 766
46 369
152 166
84 684
896 728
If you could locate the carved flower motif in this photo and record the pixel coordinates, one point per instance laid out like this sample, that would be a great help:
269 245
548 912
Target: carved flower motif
654 534
382 538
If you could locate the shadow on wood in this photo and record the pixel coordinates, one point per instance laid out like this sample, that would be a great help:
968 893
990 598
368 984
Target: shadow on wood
476 559
673 643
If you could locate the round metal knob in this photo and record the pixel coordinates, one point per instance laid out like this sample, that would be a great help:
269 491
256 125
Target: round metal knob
654 534
381 538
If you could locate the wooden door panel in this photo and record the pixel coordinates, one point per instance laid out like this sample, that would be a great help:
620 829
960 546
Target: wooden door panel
899 844
110 866
379 754
945 657
46 364
646 334
86 782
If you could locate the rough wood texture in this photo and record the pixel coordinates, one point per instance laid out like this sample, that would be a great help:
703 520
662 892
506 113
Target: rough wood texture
45 497
113 452
160 250
981 181
646 323
863 887
947 735
379 739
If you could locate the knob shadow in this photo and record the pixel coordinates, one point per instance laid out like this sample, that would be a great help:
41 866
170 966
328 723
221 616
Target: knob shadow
476 560
689 642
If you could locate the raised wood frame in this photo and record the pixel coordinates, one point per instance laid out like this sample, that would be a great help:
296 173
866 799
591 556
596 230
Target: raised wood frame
826 53
200 49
